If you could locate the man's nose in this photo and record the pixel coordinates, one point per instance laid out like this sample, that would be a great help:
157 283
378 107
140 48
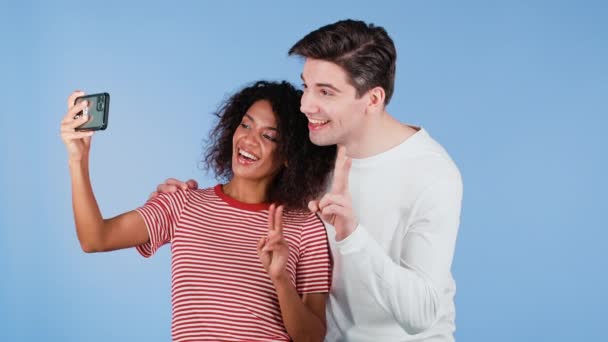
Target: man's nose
307 105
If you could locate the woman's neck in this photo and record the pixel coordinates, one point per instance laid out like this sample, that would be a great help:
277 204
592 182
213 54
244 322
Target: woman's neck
246 191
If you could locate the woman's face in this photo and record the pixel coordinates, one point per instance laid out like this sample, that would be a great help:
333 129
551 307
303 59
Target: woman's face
255 143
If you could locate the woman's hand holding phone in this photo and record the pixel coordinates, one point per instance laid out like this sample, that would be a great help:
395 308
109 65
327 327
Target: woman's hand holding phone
78 143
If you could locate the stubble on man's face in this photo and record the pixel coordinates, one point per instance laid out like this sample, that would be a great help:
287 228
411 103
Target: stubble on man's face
330 103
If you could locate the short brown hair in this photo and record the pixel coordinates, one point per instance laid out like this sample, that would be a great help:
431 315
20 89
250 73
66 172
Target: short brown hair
364 51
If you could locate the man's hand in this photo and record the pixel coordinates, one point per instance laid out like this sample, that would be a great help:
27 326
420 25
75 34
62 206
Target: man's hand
273 249
336 206
171 185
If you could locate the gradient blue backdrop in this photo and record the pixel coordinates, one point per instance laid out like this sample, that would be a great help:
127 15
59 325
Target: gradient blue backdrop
516 92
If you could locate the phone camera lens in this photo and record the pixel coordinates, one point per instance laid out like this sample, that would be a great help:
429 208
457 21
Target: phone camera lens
100 103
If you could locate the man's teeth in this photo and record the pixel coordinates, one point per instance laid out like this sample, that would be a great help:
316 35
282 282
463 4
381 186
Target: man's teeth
318 122
247 155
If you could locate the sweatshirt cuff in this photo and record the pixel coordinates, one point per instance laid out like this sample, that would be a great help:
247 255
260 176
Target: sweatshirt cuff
355 242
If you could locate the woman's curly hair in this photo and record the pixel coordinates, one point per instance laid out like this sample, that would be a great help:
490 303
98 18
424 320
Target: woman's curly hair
308 165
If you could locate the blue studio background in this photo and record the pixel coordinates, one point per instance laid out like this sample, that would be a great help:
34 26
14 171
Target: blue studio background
515 90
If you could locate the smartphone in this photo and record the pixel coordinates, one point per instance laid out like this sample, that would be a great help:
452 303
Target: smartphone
98 109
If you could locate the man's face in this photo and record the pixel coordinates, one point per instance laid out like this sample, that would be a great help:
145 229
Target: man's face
335 115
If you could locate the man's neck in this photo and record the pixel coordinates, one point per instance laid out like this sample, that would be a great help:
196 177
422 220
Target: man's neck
378 134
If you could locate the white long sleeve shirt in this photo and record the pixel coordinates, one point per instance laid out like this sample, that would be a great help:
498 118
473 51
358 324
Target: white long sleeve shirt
391 276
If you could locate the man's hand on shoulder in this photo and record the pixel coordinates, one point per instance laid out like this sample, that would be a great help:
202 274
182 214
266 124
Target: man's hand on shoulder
172 185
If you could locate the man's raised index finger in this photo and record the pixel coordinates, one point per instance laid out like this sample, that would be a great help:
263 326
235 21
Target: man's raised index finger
341 170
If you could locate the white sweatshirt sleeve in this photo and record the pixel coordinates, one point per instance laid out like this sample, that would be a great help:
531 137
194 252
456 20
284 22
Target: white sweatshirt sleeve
409 289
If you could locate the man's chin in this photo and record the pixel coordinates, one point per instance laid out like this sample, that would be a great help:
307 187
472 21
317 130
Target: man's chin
320 140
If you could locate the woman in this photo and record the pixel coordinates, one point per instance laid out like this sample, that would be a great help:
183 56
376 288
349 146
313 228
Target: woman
242 268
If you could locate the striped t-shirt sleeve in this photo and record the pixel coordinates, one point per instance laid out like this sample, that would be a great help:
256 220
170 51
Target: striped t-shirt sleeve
161 214
313 273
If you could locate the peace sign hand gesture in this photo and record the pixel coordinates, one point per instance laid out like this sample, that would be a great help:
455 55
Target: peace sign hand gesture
336 206
273 249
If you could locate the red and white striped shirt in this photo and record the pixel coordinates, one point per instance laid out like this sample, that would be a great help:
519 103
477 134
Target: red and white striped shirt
219 288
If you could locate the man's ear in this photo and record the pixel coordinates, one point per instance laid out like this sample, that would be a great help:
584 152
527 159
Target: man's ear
376 98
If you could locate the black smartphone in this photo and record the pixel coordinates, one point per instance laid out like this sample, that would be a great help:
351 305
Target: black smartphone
98 109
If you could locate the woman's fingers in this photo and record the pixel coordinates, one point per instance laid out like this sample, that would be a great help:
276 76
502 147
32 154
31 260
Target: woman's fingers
70 126
271 218
73 96
71 113
272 246
68 136
260 244
278 220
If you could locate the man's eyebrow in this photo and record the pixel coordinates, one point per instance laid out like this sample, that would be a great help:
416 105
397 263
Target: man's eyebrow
268 127
327 85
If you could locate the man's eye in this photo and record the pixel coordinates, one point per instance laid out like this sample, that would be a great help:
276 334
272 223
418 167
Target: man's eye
325 92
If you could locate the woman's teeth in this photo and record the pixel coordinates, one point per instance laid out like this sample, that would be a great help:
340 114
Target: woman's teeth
247 155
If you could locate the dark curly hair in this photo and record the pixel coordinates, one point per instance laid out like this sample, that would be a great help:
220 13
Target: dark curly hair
308 165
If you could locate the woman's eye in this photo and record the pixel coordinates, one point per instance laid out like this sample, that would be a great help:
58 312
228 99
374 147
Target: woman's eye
269 137
244 125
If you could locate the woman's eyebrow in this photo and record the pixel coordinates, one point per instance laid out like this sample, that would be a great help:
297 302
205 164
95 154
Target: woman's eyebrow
267 127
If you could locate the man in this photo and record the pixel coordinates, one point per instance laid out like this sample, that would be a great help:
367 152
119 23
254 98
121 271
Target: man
393 209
